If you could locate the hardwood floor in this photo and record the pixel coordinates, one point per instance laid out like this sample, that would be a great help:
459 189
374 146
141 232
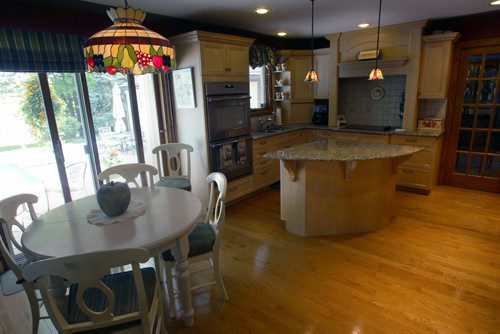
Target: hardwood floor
435 268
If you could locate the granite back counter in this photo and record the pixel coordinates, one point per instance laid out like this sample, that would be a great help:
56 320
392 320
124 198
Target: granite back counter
417 174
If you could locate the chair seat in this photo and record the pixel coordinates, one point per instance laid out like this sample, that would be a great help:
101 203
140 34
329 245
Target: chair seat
201 241
180 183
123 287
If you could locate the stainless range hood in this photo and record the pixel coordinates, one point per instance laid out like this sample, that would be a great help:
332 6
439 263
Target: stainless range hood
362 68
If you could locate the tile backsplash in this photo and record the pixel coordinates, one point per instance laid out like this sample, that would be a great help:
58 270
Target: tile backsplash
359 108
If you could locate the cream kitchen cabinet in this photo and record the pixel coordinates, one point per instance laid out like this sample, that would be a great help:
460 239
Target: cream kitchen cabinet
420 172
312 135
435 67
373 138
224 59
322 66
347 135
299 66
239 188
266 171
208 54
300 110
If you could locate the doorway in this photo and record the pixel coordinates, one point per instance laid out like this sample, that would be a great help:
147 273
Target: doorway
473 152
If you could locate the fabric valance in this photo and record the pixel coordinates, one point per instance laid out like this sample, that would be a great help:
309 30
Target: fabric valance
261 55
31 51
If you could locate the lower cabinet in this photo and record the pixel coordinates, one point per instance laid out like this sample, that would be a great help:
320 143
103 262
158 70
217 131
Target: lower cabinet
313 135
239 187
421 170
267 171
373 138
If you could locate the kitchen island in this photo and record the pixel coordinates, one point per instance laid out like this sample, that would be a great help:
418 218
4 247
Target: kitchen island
338 186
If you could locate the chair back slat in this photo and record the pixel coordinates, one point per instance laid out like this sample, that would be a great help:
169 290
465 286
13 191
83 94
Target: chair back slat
130 172
101 315
89 271
85 267
170 158
216 213
9 211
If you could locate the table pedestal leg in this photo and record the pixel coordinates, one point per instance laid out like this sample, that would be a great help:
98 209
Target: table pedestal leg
180 252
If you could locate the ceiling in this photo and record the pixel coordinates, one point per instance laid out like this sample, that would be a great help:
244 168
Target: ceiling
293 16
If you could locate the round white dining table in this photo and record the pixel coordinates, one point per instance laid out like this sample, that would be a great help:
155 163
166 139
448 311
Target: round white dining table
170 216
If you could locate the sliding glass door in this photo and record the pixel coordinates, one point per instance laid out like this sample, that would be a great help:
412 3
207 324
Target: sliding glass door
59 130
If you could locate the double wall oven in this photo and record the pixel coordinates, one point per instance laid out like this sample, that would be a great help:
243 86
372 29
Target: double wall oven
228 119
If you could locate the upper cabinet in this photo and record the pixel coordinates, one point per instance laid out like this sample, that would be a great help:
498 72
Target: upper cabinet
218 57
298 63
299 66
437 51
224 59
322 66
300 107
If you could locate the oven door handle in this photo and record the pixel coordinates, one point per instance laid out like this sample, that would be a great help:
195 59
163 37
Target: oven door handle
225 98
234 141
228 142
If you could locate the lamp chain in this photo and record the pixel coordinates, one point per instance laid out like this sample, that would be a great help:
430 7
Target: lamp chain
312 35
378 33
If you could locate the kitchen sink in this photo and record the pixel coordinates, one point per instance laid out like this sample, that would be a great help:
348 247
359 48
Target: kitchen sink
276 128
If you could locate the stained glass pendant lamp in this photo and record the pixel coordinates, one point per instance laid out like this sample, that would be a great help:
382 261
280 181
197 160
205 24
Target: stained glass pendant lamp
376 73
127 46
312 76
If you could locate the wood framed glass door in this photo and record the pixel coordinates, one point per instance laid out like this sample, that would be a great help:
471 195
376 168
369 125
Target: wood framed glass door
473 154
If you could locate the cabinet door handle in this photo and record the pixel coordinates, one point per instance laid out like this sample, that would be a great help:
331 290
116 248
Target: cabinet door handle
407 171
411 140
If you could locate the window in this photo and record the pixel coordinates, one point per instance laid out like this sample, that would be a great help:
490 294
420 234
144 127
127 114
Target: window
259 88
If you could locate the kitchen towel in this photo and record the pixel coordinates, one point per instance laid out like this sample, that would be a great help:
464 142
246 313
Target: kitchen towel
134 210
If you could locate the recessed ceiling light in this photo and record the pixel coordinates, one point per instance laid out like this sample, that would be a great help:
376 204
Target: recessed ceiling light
262 10
281 33
364 25
495 3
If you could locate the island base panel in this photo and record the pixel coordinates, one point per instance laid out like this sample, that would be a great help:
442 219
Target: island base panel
324 200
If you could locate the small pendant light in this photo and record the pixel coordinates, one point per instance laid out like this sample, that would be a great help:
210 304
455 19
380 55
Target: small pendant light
376 73
312 76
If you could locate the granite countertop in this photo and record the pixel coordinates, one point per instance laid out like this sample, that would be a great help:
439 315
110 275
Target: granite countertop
342 150
290 128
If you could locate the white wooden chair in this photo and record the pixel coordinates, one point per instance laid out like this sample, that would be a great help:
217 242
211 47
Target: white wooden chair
174 164
8 213
130 172
204 241
128 302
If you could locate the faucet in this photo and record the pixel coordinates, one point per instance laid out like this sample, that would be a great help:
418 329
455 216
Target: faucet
265 125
